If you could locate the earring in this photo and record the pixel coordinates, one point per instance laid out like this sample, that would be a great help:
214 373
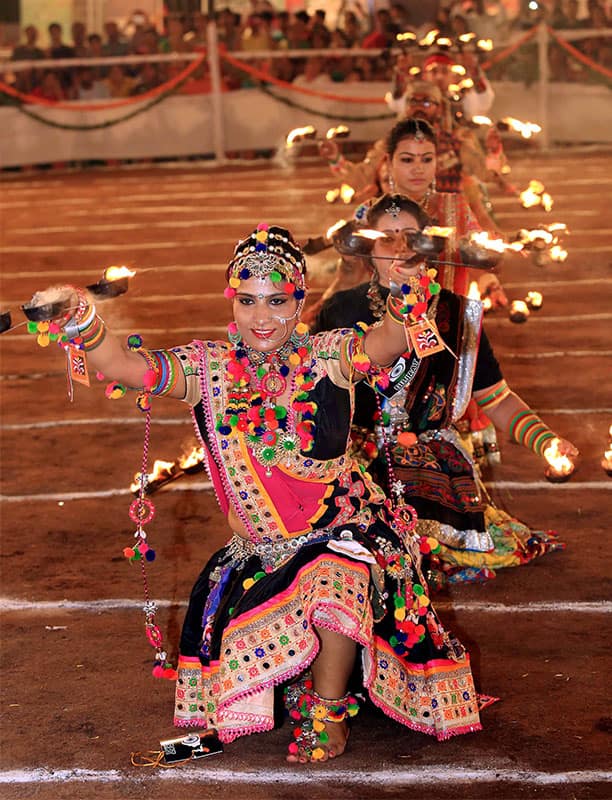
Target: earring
375 301
391 184
433 184
232 333
299 339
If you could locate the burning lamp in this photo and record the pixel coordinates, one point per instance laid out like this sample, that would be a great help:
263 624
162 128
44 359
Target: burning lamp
481 252
114 283
560 467
534 300
606 461
430 241
41 309
5 321
350 240
193 462
519 311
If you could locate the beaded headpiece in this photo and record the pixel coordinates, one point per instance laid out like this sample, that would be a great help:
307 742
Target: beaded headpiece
269 252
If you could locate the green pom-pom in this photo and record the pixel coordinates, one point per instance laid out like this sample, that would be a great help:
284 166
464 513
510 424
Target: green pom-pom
434 288
418 589
233 420
32 327
261 371
275 276
280 412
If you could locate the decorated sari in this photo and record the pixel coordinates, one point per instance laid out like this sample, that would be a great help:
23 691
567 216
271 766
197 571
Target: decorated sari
322 552
439 472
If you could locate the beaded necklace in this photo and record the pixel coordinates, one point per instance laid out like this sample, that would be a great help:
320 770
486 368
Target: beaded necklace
257 379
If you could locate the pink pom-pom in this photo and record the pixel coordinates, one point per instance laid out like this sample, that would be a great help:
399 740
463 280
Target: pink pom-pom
263 226
229 292
232 328
99 376
293 748
149 379
158 671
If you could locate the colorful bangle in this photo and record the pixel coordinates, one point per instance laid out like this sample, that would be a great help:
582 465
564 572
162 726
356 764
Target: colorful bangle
361 362
499 391
527 429
394 306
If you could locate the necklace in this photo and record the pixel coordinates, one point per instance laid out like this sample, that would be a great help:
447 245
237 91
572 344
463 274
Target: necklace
273 431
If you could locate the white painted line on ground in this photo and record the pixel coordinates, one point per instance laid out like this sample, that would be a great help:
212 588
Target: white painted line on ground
97 271
206 485
301 776
557 354
186 420
537 317
147 225
17 605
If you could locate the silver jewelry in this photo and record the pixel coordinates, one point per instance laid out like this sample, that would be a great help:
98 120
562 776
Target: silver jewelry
393 210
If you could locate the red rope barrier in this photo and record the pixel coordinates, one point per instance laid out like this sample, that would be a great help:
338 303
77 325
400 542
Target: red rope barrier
264 76
507 51
578 55
71 106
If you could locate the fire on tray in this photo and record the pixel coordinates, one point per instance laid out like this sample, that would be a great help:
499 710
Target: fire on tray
114 283
560 467
193 462
163 472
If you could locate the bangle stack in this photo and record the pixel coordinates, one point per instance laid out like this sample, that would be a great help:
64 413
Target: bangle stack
394 310
527 429
498 392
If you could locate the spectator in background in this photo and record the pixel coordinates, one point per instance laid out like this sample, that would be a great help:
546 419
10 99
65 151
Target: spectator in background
89 86
228 29
57 49
338 67
94 50
173 40
314 76
148 78
351 27
299 32
118 82
383 33
27 79
50 87
79 43
114 45
137 28
597 48
257 34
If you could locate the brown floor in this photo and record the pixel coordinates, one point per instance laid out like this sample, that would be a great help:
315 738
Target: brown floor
76 693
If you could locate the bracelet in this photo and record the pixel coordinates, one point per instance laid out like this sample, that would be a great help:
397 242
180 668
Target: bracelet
394 306
499 391
527 429
360 361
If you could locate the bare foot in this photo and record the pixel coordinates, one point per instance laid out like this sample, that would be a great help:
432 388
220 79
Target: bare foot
335 745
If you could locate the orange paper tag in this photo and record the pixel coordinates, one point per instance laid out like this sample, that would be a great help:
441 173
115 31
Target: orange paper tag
77 365
425 338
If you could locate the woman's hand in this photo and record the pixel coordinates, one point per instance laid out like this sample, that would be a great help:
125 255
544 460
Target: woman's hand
564 447
329 149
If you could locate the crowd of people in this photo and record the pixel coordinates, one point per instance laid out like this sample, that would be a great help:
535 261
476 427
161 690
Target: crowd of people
267 29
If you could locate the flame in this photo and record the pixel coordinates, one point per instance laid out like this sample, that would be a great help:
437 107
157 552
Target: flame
414 71
534 299
558 253
534 195
479 119
346 193
368 233
299 133
481 238
443 41
331 195
339 130
474 292
335 227
485 44
466 83
557 226
115 273
436 230
192 458
467 37
526 129
161 469
429 38
559 464
487 304
407 35
458 69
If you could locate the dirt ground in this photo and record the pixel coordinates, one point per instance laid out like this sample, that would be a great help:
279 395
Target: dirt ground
76 694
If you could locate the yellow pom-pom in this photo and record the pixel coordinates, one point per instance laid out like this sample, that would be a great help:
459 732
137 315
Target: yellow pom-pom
361 362
299 380
400 614
42 327
262 236
431 273
246 584
301 328
412 298
423 600
318 726
319 712
317 754
234 282
43 340
294 359
433 543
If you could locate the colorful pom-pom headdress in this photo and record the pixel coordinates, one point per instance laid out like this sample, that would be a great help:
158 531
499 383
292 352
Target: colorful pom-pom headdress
269 252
